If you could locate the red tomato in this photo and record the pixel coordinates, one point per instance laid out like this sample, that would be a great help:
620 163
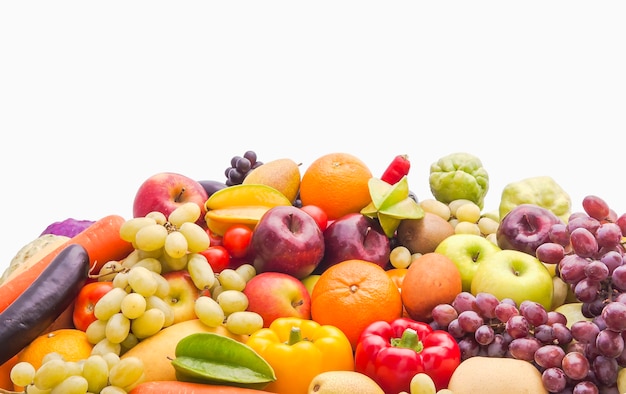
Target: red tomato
218 257
86 300
318 214
237 239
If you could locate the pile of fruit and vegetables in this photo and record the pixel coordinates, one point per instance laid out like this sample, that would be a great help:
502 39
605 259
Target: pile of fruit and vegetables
323 278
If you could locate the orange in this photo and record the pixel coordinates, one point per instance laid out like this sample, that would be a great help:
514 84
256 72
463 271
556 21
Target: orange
431 279
397 275
5 373
352 294
337 183
71 343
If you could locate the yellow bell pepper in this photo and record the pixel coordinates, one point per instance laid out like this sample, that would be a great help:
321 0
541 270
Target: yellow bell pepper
299 349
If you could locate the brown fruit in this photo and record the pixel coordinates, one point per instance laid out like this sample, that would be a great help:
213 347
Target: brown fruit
431 279
423 235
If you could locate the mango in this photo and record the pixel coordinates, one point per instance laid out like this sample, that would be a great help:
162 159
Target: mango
158 350
281 174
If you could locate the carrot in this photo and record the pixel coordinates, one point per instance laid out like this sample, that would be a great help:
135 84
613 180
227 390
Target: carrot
102 242
178 387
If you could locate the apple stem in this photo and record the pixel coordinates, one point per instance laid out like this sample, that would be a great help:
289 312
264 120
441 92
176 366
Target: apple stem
180 195
295 336
409 340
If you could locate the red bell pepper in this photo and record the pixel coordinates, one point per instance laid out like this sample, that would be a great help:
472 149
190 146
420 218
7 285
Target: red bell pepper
398 168
392 353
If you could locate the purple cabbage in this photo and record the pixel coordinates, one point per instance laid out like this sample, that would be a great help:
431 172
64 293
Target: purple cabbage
68 227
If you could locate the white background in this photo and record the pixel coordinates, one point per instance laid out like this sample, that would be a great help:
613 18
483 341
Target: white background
97 96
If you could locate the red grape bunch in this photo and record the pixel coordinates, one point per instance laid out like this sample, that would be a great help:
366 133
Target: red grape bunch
240 166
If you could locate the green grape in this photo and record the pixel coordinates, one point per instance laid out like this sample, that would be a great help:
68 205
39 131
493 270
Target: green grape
197 238
96 331
105 346
231 280
126 372
51 356
244 322
121 280
111 358
160 303
74 367
421 383
148 324
129 229
151 237
175 245
74 384
158 217
109 304
117 328
32 389
209 311
400 257
96 371
141 280
200 271
187 212
113 390
22 373
246 271
109 270
50 374
133 305
172 264
130 342
163 286
151 263
232 301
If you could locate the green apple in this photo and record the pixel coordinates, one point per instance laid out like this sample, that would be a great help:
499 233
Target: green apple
572 311
516 275
467 251
560 292
310 281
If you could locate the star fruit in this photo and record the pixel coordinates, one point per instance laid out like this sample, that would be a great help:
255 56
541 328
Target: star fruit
391 204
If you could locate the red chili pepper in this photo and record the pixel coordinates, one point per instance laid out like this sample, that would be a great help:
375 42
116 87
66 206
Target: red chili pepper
392 353
397 169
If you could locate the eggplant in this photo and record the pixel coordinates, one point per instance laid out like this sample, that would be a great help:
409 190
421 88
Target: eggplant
212 186
44 300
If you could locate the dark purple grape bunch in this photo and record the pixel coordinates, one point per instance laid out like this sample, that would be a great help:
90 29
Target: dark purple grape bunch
239 168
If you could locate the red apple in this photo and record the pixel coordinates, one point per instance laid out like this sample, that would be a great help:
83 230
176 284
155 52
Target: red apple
526 227
182 296
275 294
286 239
354 236
166 191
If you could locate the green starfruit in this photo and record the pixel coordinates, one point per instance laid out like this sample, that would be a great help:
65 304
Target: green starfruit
540 190
391 204
459 176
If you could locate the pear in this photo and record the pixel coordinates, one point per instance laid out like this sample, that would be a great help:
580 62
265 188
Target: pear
391 204
281 174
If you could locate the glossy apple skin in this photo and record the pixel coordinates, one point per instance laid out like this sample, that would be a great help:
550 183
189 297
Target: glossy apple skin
467 252
526 227
354 236
275 294
182 296
166 191
516 275
288 240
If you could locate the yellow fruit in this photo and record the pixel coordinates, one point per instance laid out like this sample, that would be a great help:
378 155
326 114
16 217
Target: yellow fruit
246 195
572 311
513 376
157 351
343 382
241 204
281 174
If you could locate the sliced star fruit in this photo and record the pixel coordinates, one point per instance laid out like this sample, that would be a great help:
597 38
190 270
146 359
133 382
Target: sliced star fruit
391 204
